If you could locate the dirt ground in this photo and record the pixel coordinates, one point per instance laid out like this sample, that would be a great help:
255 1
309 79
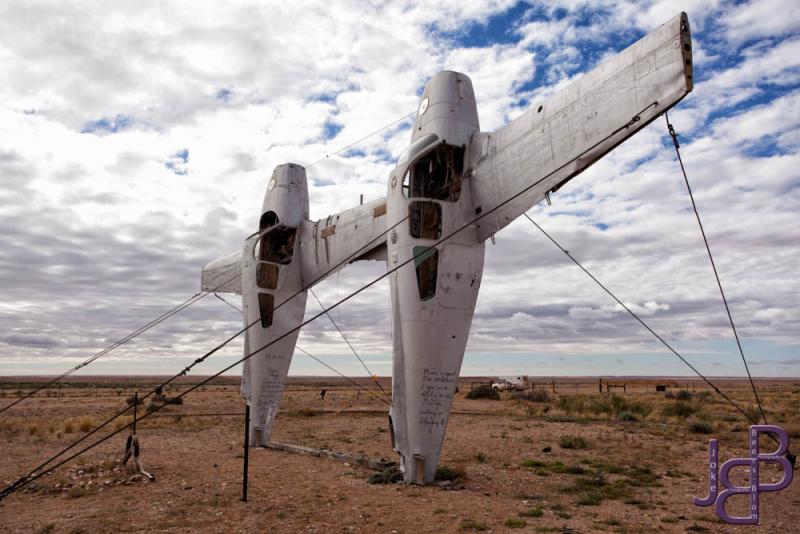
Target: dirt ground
571 461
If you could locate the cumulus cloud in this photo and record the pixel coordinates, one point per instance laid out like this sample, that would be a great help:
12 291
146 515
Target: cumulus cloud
136 143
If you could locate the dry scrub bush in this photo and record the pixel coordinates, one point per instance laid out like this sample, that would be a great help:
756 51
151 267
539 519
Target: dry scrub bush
484 391
534 395
445 472
611 406
700 427
573 442
123 421
679 409
85 423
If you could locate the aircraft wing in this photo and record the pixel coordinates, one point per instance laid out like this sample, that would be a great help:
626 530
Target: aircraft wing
326 246
551 143
330 244
223 275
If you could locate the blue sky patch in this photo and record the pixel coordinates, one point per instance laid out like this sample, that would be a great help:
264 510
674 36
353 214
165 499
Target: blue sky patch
107 126
331 130
224 94
499 29
177 162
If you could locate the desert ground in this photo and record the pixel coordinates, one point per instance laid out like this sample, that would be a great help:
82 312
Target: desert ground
565 458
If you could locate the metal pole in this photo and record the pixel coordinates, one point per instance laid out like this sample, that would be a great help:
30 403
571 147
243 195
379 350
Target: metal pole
135 409
246 451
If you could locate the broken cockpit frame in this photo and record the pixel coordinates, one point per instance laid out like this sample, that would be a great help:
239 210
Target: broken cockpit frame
274 248
435 177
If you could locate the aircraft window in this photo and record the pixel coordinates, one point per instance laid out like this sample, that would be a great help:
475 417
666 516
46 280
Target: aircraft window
416 147
437 175
267 275
425 219
277 245
268 219
266 303
426 265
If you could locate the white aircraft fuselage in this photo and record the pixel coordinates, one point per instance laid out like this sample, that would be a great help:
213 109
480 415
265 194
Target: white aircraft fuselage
433 298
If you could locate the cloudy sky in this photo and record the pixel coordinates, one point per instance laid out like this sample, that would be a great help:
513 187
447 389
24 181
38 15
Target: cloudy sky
136 142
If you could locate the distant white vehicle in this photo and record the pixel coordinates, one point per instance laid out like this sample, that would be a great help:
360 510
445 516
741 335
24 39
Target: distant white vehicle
511 383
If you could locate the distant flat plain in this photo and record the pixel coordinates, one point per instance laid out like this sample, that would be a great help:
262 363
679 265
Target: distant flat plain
565 458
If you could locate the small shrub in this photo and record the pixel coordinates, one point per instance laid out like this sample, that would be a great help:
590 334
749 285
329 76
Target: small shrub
533 464
590 499
642 477
532 512
597 405
703 396
152 406
512 522
575 470
471 524
627 416
573 442
484 391
480 457
683 395
85 423
444 472
538 395
390 475
679 409
175 400
69 427
700 427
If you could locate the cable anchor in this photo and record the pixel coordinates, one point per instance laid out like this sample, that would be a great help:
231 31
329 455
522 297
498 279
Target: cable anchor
132 444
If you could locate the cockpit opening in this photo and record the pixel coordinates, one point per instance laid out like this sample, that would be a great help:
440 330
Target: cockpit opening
436 175
277 245
269 218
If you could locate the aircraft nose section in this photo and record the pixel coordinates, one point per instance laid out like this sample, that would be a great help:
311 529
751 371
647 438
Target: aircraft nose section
447 108
287 194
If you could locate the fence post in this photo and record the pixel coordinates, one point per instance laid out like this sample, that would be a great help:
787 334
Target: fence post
246 451
135 409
